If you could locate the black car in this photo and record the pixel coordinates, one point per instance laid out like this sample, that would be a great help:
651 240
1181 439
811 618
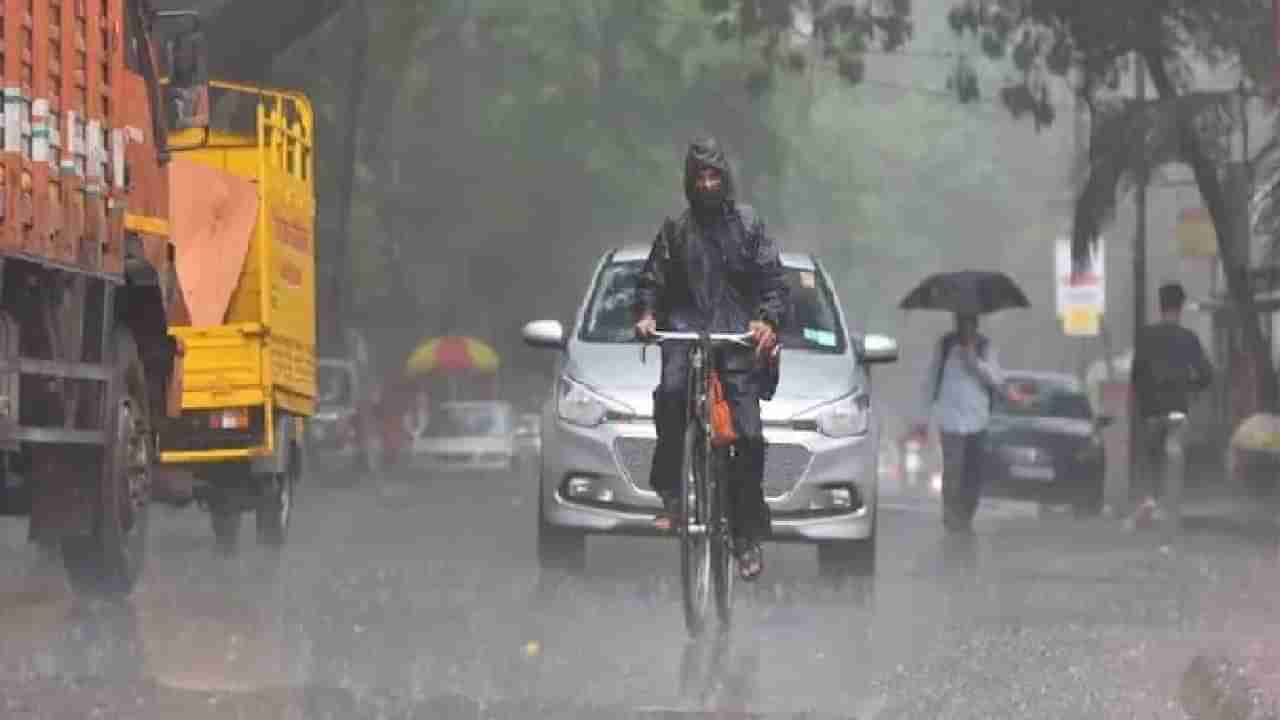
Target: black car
1045 444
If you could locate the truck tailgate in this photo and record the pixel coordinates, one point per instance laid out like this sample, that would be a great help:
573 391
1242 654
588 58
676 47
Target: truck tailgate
223 366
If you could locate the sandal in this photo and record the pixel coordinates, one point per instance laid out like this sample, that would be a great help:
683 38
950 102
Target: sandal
665 519
750 560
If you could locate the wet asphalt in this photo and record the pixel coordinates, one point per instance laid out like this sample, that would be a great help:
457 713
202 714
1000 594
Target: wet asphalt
420 597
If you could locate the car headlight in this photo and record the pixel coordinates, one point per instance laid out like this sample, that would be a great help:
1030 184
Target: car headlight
846 417
577 405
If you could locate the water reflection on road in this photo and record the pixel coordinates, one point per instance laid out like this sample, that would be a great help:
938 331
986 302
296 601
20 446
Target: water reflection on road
428 603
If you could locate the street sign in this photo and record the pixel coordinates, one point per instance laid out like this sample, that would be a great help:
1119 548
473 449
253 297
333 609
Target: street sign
1081 321
1196 235
1081 296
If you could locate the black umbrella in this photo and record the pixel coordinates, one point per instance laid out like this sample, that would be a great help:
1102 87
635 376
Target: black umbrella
968 292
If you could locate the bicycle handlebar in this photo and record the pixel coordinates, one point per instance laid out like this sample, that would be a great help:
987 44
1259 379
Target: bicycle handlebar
715 338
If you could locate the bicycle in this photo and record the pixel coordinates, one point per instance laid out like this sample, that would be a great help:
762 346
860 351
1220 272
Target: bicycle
1169 475
706 538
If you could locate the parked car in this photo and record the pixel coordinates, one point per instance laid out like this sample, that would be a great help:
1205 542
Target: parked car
472 436
598 435
528 441
1047 445
529 432
333 431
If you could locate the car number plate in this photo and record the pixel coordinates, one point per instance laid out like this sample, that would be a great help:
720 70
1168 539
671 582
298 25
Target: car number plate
1031 472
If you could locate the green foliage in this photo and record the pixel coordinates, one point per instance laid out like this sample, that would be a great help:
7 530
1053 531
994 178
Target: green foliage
781 31
1090 45
1048 40
502 150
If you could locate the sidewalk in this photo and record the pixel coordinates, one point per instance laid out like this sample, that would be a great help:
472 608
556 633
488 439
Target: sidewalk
1235 673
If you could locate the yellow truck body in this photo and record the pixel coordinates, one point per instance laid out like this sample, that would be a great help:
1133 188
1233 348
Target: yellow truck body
244 226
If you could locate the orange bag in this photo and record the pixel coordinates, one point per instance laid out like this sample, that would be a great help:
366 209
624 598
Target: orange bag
722 432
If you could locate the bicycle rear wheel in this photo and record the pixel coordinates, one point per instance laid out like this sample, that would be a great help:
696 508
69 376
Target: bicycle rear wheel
722 560
695 548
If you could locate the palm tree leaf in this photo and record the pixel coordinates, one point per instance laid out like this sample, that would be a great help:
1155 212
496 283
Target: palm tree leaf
1131 136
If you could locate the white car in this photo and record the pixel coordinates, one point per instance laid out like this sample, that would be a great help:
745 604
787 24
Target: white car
822 427
467 436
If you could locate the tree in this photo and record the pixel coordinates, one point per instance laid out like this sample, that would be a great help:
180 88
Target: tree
248 35
784 32
1088 47
1091 44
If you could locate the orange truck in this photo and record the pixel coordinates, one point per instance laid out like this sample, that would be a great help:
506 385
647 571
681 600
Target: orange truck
89 371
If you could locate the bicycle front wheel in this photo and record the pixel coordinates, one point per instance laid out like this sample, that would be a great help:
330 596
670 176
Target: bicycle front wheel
695 548
722 560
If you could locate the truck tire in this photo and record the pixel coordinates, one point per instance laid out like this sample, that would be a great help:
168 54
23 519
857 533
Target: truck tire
224 517
275 506
110 560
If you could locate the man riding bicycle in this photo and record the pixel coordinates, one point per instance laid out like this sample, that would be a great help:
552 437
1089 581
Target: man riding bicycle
1169 367
714 269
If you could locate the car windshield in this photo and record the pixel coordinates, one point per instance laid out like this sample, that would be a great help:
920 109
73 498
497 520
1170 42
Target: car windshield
811 321
333 385
1034 397
468 421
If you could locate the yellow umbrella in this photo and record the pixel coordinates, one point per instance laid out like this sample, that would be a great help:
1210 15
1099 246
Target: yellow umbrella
451 355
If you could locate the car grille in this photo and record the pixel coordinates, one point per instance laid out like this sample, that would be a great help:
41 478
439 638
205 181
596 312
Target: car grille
784 464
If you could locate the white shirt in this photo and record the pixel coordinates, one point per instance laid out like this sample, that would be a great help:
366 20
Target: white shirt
963 406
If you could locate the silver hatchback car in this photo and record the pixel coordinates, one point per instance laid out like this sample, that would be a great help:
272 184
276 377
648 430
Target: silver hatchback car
598 437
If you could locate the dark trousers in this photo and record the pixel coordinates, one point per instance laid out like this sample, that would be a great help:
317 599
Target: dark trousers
1151 461
748 512
961 479
1154 471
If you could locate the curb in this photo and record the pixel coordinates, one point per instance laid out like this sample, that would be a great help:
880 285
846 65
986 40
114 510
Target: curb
1215 688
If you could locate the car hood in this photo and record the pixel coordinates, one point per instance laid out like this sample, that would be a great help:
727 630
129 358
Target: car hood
1069 427
616 371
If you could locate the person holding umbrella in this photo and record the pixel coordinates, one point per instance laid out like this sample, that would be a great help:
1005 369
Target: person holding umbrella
964 376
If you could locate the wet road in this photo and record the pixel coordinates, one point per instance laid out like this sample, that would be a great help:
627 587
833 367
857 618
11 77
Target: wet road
426 602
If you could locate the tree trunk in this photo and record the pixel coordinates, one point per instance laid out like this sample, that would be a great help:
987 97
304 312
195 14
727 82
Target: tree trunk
247 35
342 279
1237 274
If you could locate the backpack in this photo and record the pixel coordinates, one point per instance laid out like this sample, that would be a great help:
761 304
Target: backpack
949 341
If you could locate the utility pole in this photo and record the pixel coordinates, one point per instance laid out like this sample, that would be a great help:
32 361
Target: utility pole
1081 162
1139 270
342 279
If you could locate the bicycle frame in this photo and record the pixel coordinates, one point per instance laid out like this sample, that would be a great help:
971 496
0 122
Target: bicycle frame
703 525
1172 471
697 414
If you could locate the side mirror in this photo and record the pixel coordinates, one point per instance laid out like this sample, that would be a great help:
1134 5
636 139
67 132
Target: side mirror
544 334
187 92
875 349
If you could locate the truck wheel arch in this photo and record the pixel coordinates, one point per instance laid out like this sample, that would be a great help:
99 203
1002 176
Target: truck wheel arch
140 307
285 441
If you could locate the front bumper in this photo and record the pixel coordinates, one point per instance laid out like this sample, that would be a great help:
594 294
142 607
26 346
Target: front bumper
1062 480
800 468
458 464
